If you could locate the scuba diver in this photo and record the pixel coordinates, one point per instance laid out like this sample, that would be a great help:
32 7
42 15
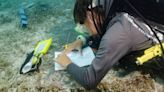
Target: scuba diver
116 28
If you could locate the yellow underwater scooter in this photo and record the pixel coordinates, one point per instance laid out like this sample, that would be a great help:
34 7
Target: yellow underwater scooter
33 59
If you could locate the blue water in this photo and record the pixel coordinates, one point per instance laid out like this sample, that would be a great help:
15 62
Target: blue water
63 28
40 11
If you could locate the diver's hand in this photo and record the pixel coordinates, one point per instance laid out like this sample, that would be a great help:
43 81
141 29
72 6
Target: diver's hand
76 45
63 60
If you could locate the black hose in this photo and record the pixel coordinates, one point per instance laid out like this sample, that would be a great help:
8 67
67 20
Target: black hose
94 19
144 20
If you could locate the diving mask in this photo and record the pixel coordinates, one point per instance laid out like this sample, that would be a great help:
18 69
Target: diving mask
82 29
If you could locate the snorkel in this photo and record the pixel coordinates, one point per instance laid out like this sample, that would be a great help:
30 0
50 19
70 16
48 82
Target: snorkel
82 30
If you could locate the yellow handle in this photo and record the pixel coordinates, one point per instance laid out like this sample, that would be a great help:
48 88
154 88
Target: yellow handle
145 58
149 54
34 60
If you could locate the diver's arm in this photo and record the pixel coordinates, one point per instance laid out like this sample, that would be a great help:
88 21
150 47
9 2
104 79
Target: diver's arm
114 45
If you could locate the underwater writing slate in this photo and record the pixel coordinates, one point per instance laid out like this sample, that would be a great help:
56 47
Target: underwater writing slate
77 58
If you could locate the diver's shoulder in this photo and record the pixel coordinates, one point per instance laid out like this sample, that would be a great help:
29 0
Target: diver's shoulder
121 18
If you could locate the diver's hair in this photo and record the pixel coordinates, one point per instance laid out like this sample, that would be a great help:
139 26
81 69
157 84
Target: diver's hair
80 9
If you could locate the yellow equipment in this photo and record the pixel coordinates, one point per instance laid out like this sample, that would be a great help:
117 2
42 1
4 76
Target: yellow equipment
149 54
41 49
33 60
